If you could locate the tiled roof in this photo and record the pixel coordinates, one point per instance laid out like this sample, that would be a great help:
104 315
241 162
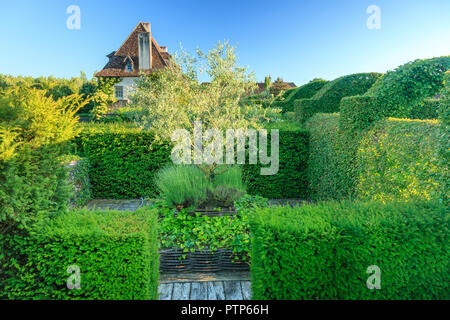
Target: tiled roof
116 66
262 86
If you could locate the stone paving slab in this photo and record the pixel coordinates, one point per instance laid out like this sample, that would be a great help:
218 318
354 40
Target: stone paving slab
114 204
133 204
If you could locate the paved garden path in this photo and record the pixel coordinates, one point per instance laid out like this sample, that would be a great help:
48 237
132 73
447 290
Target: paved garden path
133 204
212 286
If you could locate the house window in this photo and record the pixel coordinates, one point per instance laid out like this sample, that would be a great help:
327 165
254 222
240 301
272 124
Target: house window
118 92
129 66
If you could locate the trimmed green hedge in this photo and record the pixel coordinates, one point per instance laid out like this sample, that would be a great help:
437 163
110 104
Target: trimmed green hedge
123 160
444 139
398 160
305 91
329 163
324 251
116 251
390 159
291 180
425 109
357 113
327 99
401 91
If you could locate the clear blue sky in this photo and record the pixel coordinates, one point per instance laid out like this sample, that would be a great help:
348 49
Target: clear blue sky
296 40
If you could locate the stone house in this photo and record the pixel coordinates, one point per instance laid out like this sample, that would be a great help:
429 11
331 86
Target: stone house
140 53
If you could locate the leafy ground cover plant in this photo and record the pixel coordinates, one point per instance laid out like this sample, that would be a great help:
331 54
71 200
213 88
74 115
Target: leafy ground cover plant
195 232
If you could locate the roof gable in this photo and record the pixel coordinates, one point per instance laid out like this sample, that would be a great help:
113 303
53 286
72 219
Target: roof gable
130 48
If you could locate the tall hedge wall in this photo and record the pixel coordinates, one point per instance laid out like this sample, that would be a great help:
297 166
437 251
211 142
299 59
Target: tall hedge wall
291 180
123 160
401 91
324 251
329 164
327 99
390 159
444 139
398 160
116 252
305 91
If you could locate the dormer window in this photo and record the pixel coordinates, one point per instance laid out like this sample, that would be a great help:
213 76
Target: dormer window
129 67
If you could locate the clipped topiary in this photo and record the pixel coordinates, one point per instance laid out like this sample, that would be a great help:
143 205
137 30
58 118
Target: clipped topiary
327 99
286 101
401 92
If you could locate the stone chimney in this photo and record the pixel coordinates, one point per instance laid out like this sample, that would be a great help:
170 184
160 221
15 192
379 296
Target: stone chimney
145 49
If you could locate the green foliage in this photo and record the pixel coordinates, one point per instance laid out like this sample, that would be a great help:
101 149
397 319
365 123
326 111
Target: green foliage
397 160
185 186
174 99
328 98
34 133
182 185
329 163
290 181
116 251
444 139
306 91
400 91
194 232
390 160
323 251
357 113
425 109
79 180
59 91
123 160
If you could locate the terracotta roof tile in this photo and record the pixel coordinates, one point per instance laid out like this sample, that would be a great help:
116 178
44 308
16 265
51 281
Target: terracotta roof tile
116 66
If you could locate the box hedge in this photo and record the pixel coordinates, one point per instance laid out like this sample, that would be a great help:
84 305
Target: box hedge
324 251
389 159
444 139
116 252
329 163
305 91
327 99
291 180
398 160
123 160
401 91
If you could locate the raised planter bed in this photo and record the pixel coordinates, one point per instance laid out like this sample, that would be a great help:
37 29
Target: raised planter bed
171 260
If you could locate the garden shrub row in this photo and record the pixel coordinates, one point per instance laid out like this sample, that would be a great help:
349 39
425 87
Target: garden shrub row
329 165
327 99
305 91
398 159
401 92
116 253
323 251
291 179
393 159
123 159
444 139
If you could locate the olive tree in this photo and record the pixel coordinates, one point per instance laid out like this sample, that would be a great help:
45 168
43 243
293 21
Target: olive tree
174 98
